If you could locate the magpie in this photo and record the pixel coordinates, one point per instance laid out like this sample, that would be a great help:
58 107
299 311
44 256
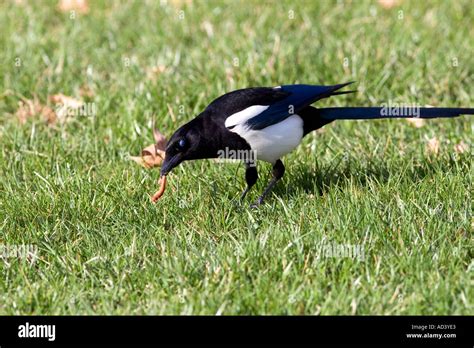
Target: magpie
270 122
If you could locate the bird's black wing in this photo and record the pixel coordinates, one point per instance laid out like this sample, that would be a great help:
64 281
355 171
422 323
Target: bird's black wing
261 107
298 97
235 101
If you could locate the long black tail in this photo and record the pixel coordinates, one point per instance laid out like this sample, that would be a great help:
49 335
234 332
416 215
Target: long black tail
363 113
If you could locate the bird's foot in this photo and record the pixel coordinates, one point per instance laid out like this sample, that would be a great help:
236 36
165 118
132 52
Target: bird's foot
258 203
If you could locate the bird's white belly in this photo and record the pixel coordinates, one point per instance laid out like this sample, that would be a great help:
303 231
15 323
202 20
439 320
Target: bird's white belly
275 141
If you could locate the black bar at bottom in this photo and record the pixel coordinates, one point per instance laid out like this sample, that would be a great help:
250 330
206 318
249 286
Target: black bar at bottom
412 330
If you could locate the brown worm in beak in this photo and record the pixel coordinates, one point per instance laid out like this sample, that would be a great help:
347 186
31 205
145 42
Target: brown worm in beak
161 190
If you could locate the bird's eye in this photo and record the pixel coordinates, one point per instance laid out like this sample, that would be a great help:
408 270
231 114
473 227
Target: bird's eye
181 144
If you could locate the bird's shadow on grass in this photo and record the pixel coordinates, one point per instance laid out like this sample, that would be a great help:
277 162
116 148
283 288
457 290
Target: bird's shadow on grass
321 180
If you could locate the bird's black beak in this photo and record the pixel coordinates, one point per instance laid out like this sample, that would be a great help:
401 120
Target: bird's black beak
169 163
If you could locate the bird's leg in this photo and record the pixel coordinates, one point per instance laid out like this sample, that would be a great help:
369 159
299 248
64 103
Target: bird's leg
251 176
277 173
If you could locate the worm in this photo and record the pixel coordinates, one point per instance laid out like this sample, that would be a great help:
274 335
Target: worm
160 191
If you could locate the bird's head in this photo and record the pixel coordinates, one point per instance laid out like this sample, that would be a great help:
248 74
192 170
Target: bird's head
184 145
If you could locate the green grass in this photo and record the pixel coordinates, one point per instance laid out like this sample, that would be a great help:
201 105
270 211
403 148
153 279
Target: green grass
103 248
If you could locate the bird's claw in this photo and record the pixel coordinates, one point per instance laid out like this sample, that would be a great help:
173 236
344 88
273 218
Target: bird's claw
258 203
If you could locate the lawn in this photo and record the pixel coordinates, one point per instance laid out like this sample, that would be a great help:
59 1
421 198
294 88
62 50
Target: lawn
398 193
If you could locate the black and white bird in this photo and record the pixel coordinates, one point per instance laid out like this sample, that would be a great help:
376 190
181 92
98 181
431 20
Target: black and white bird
271 122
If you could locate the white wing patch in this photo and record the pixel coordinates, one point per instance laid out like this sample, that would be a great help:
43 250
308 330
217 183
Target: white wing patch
275 141
244 115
